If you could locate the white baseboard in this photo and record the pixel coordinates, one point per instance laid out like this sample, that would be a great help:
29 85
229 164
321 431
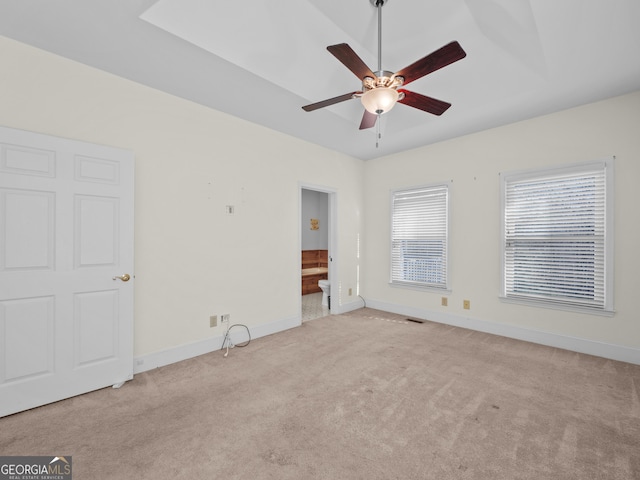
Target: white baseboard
575 344
614 352
347 307
150 361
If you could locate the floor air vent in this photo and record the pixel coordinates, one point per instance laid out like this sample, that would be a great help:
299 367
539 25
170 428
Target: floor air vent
415 320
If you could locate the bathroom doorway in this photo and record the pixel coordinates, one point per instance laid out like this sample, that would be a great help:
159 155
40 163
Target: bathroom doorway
317 251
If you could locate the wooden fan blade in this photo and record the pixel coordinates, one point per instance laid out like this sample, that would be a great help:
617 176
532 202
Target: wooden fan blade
351 60
368 120
422 102
329 101
446 55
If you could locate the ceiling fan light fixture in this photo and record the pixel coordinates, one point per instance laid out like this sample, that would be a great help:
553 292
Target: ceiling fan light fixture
379 100
379 91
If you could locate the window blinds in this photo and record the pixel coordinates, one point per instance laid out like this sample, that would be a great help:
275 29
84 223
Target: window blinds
419 237
555 237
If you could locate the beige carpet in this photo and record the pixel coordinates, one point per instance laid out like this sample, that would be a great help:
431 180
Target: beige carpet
363 395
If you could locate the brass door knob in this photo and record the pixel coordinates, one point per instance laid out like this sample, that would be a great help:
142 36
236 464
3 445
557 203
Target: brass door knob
124 278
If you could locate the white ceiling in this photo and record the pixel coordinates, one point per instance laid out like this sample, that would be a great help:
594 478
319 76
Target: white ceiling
263 60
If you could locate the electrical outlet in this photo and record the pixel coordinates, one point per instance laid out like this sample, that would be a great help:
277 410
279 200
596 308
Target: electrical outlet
445 301
466 304
213 321
225 317
350 292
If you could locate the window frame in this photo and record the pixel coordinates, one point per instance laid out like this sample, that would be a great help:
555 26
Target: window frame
417 285
607 166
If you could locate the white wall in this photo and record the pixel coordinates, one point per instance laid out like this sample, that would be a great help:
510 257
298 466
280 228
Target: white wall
473 163
315 205
192 260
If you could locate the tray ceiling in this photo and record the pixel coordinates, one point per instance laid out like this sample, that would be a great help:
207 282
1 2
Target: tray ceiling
262 61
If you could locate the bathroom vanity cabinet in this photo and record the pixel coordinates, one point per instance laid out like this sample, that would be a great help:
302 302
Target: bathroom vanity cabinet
314 268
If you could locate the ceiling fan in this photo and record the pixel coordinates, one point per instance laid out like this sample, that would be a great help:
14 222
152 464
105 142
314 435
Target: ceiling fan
381 90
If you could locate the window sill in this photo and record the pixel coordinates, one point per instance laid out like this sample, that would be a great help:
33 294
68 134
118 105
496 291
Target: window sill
557 306
421 288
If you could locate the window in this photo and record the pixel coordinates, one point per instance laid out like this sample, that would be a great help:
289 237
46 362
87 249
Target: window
419 224
558 237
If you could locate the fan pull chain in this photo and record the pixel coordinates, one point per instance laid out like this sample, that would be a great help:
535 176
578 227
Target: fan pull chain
378 134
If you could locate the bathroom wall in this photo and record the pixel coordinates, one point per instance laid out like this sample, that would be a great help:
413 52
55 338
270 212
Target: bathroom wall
315 205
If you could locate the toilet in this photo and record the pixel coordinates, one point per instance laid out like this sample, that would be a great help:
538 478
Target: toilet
325 286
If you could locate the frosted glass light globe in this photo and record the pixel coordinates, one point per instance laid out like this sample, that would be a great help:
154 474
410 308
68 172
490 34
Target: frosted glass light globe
379 100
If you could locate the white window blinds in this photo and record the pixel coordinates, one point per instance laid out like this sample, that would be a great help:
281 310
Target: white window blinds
555 233
419 236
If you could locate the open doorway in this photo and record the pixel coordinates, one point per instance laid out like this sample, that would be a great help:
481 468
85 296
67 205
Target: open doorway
316 251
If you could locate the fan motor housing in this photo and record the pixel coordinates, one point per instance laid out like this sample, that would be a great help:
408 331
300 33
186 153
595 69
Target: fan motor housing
384 78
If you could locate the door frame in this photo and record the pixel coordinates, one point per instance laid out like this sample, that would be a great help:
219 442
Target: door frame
332 233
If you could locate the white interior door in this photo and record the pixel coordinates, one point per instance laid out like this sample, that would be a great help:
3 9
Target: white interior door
66 233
